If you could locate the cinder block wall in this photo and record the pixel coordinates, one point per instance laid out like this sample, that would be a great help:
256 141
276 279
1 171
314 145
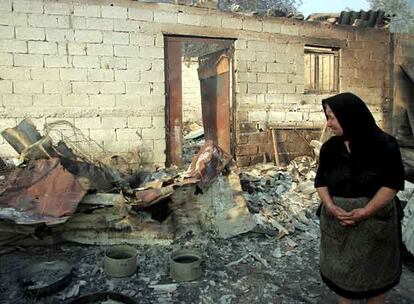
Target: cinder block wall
191 91
403 88
100 65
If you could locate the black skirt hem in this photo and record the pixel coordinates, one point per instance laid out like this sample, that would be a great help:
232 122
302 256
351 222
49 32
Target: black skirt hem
359 294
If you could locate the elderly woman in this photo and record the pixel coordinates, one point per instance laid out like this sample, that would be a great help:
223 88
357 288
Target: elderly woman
360 172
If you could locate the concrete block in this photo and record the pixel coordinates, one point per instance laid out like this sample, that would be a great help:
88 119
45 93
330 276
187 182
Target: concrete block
292 99
45 74
113 122
294 116
158 121
252 25
6 87
100 136
157 88
6 59
15 73
100 49
17 100
28 60
40 47
256 88
151 52
85 123
136 88
102 100
128 100
139 122
277 116
54 100
152 76
211 21
248 55
115 38
99 24
13 46
240 44
247 77
81 88
100 75
86 10
74 100
116 12
113 63
91 62
7 18
232 23
247 98
241 88
23 6
256 66
57 87
75 48
254 116
189 19
247 149
265 56
88 36
28 87
6 32
57 61
266 78
127 25
112 88
138 64
153 133
291 30
165 17
126 51
38 20
127 134
54 8
271 27
5 5
157 64
78 23
140 14
317 116
62 35
142 39
300 88
274 99
127 75
116 146
73 74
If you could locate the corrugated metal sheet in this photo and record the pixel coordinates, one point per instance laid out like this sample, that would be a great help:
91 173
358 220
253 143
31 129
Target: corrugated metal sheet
363 18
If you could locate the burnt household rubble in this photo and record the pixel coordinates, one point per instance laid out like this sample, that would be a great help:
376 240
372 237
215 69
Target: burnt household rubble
56 195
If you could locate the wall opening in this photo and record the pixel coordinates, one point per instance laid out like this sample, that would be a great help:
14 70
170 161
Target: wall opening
198 73
321 69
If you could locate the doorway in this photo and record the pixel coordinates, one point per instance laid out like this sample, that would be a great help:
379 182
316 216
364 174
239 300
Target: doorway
199 96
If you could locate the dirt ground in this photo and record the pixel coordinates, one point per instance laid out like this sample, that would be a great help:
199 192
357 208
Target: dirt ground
251 268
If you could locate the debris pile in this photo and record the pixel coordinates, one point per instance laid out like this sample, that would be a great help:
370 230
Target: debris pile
282 200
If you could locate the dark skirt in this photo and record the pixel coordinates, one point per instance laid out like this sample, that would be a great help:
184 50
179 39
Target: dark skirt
361 261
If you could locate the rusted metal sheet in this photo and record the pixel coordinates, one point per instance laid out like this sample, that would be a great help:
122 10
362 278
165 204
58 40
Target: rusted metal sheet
214 75
208 163
149 197
174 104
41 192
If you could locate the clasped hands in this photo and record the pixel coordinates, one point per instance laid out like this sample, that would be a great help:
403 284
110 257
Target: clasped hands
346 218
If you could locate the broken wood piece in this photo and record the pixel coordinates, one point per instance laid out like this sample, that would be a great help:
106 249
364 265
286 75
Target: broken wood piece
275 148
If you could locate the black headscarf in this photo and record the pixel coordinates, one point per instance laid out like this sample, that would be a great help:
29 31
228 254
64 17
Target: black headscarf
353 115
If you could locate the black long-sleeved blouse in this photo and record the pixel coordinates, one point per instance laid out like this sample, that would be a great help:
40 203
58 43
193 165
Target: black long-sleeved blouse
363 171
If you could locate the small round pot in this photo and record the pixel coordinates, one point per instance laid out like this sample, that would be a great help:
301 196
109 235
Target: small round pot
185 265
120 261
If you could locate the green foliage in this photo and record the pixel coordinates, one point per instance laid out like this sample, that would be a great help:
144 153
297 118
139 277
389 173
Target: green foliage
401 12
